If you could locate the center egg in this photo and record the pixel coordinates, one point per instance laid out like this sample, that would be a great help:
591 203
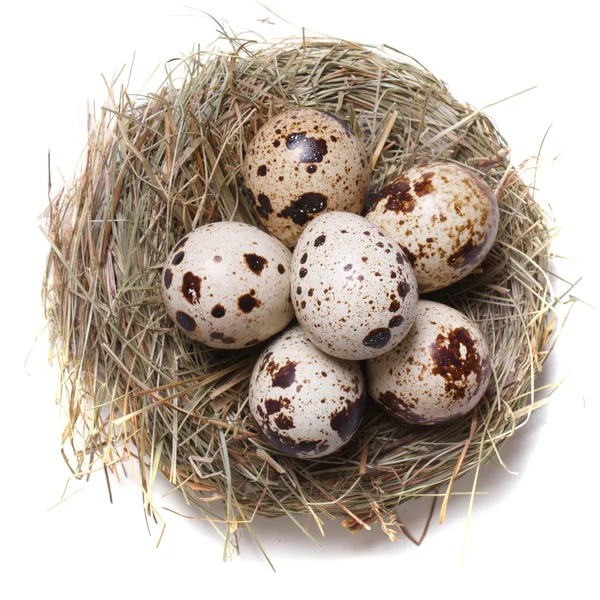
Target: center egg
353 289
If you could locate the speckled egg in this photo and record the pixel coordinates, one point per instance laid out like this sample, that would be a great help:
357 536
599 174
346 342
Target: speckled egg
300 164
439 372
227 284
353 290
306 403
444 216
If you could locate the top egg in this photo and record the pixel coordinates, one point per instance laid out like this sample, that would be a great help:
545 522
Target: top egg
445 218
300 164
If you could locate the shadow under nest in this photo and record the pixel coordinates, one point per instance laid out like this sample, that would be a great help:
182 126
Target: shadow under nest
162 164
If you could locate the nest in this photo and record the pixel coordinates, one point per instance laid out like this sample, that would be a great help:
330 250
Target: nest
162 164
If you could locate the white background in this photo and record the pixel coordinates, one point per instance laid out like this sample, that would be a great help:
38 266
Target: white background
530 533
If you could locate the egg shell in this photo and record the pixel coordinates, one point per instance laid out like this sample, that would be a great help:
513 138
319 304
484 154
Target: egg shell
444 216
301 163
306 403
354 291
226 284
439 372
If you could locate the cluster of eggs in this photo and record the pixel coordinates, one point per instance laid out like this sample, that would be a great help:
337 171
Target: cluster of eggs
352 283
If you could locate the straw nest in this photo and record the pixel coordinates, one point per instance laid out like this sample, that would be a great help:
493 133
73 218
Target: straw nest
159 165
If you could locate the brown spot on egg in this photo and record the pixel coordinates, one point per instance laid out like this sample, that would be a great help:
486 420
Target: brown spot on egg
256 263
280 268
311 169
377 338
467 254
309 149
190 287
264 208
403 289
284 376
168 278
394 306
178 258
218 311
303 258
218 258
398 197
261 171
455 358
180 244
302 273
348 267
301 210
284 422
311 292
398 408
265 360
247 303
412 259
320 241
275 405
218 335
185 321
424 185
396 321
345 421
291 446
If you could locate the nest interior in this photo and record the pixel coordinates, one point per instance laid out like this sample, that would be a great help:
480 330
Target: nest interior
159 165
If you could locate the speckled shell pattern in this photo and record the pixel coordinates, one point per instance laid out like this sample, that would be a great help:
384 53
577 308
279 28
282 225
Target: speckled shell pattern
300 164
306 403
353 289
439 372
227 284
444 216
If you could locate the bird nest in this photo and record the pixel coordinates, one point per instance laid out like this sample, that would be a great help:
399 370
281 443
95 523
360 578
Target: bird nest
159 165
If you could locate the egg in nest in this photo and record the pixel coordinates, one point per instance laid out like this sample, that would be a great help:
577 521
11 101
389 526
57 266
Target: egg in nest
438 372
305 402
227 284
444 216
353 289
300 164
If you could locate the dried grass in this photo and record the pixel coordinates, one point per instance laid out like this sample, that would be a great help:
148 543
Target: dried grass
161 164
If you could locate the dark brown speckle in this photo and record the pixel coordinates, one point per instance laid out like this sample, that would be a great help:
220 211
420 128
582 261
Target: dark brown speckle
178 258
185 321
247 303
191 287
256 263
168 278
378 338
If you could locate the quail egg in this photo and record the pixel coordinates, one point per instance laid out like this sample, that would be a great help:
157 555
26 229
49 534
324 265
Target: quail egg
444 216
301 163
353 290
226 284
305 403
439 371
